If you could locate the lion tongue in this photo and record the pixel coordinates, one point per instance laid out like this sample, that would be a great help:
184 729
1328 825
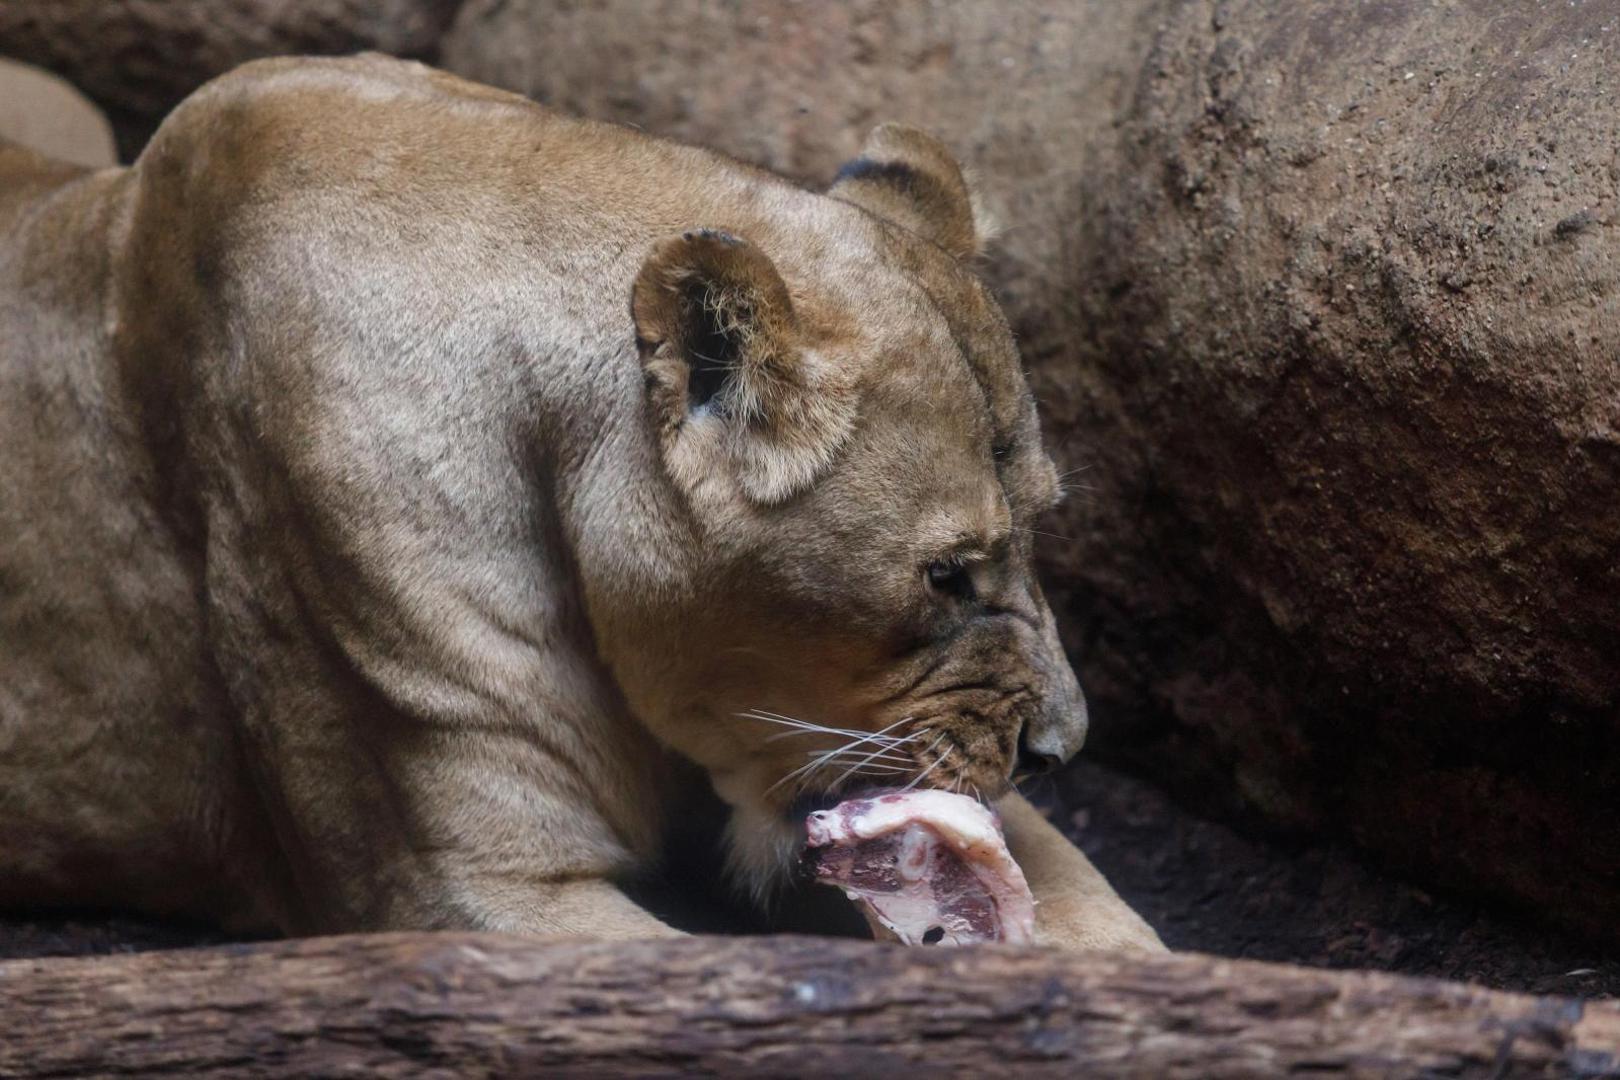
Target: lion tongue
924 867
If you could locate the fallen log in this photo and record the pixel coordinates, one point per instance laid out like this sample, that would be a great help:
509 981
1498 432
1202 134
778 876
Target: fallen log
414 1004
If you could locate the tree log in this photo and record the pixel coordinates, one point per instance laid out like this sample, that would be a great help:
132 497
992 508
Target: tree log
414 1004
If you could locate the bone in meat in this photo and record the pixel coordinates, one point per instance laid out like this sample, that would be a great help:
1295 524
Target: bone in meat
924 867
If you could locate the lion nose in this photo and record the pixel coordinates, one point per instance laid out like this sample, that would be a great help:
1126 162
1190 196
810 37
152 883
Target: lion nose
1052 738
1033 762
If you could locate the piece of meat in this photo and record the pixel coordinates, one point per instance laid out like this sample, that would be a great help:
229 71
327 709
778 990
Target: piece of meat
924 867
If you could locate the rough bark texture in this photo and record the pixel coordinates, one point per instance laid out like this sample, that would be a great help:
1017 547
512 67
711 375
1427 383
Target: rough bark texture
1324 298
467 1005
138 58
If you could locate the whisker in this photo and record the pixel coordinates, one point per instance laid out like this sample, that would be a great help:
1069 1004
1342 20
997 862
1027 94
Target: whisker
1038 532
885 756
915 780
818 762
881 759
888 742
883 734
864 737
836 756
804 727
884 752
880 754
843 754
795 734
872 769
801 770
804 771
920 777
856 761
817 730
789 721
885 747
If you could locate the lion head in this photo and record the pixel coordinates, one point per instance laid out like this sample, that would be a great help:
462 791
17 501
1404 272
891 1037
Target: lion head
840 402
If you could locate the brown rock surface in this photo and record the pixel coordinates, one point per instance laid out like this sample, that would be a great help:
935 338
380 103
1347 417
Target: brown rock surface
138 58
42 112
1326 301
1355 286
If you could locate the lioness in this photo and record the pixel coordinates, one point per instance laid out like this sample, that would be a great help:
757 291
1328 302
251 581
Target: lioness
405 486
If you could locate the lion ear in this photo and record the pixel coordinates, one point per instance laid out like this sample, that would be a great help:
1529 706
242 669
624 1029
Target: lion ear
907 176
730 380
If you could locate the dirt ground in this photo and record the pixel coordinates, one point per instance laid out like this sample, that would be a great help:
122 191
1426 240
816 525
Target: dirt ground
1206 888
1202 885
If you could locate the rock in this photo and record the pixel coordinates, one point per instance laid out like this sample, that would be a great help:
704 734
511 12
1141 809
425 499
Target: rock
137 58
1326 305
45 114
1354 282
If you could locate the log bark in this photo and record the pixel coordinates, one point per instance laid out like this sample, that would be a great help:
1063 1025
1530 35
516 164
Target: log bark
468 1005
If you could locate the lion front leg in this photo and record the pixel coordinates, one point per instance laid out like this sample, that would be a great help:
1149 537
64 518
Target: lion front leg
591 907
389 804
444 837
391 822
1075 907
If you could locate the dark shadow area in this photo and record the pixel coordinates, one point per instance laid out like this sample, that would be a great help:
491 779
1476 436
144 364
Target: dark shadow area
1206 888
1203 886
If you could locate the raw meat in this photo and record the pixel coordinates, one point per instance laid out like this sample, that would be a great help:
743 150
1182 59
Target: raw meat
924 867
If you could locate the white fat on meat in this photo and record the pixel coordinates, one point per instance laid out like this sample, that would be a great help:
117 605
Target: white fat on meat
924 867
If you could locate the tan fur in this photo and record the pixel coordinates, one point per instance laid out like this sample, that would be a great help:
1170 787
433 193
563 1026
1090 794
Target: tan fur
369 558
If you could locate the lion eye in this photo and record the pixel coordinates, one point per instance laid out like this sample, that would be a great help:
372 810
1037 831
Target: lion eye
950 579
